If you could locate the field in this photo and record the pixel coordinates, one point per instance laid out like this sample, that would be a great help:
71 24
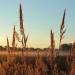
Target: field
33 63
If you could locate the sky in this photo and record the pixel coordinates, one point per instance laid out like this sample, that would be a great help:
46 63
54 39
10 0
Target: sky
40 16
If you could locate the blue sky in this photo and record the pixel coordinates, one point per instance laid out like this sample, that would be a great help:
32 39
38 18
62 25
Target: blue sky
39 17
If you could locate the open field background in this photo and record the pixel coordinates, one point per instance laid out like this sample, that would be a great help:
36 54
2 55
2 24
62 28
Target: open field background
32 63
